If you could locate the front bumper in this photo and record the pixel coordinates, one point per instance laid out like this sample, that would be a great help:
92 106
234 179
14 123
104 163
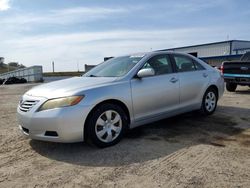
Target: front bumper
55 125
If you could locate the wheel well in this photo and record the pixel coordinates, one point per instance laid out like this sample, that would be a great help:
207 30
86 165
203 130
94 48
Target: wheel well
111 101
215 88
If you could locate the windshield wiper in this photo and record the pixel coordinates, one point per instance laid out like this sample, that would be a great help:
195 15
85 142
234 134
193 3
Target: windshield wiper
92 75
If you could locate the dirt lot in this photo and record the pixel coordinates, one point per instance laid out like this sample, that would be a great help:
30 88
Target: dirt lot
184 151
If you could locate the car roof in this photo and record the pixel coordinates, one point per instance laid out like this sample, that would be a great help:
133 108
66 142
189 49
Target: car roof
147 54
141 54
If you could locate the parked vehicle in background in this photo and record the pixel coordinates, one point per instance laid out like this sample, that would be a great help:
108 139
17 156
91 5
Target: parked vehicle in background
218 68
1 81
14 80
237 72
121 93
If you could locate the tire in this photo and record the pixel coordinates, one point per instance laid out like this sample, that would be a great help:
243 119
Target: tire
110 121
231 87
209 102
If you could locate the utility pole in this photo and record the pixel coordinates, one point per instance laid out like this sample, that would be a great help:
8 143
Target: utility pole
53 66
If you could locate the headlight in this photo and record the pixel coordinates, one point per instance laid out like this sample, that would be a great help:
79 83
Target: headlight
61 102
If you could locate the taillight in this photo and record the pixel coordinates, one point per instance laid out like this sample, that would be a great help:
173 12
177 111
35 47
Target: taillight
222 69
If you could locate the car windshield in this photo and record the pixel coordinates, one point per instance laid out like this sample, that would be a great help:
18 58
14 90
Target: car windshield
115 67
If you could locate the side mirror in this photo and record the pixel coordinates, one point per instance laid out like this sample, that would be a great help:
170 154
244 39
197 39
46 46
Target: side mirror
146 72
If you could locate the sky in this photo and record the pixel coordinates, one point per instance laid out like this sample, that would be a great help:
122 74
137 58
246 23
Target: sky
76 32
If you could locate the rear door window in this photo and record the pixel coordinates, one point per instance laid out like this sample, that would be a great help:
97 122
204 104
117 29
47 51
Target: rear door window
198 66
184 64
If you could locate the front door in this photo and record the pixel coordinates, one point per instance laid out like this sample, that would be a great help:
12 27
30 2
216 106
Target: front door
158 94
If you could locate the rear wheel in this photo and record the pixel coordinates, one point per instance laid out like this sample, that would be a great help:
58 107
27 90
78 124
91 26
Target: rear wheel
231 87
106 125
209 102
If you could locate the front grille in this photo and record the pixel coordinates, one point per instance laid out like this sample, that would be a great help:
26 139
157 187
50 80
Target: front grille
26 106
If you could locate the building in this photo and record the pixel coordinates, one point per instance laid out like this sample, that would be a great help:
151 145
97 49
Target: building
1 60
212 53
107 58
88 67
217 52
14 64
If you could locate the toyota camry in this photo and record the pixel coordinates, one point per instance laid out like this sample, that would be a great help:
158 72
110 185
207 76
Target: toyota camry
119 94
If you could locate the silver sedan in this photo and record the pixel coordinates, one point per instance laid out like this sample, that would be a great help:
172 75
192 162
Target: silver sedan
119 94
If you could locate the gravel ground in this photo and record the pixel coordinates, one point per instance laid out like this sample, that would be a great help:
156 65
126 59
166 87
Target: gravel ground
184 151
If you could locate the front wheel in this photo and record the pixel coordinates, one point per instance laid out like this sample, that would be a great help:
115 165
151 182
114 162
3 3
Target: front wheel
231 87
209 102
106 125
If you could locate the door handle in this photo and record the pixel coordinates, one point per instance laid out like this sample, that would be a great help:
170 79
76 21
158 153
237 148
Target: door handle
205 75
173 80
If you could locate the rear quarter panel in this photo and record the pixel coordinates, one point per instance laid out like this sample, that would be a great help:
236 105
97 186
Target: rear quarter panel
217 79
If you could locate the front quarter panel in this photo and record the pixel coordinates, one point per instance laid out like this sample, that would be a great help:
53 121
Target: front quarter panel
116 91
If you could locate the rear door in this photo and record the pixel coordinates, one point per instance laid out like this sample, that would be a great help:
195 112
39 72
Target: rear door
194 79
158 94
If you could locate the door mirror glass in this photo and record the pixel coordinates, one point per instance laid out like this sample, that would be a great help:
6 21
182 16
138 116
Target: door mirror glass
146 72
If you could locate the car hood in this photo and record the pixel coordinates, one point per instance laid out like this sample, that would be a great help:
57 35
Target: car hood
68 87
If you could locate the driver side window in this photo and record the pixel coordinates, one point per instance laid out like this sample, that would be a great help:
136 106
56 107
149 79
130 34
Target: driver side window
160 63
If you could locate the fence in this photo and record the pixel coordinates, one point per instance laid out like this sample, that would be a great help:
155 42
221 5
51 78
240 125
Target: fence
31 74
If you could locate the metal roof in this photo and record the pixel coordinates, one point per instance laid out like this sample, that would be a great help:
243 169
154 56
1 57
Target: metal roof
223 56
212 43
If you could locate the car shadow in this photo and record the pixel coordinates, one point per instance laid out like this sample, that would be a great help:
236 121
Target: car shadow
148 142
